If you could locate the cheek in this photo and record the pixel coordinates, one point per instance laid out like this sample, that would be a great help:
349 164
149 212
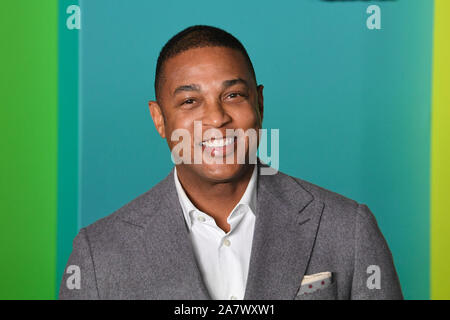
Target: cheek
177 123
246 118
178 120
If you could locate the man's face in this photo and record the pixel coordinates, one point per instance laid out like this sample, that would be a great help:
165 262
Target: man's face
215 86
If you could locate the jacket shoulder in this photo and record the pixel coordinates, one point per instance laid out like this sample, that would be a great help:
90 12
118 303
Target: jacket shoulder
341 215
331 199
339 211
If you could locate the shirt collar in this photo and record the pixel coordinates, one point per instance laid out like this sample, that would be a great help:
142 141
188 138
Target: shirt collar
248 198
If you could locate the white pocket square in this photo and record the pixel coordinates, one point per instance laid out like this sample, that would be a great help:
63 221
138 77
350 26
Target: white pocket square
314 282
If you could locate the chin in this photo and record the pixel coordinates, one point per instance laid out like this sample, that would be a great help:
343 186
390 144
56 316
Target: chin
222 172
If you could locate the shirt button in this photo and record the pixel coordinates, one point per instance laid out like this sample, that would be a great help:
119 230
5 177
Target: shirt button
233 298
227 242
201 219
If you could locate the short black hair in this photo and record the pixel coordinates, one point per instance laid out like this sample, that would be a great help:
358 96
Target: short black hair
198 36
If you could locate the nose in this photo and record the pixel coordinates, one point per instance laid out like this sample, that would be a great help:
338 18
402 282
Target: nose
215 115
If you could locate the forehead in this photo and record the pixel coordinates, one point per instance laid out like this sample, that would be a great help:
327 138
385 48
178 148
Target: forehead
208 65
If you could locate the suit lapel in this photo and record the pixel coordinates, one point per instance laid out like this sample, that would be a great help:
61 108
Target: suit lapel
287 219
172 271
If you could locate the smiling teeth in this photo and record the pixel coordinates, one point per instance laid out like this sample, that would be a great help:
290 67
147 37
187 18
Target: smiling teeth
218 143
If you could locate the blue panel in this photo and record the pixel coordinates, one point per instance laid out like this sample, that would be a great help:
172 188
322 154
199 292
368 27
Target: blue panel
68 109
352 104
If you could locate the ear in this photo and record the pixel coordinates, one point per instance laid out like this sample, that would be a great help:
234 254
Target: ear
158 118
260 101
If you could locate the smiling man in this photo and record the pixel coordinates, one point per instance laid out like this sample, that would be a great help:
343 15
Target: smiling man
217 227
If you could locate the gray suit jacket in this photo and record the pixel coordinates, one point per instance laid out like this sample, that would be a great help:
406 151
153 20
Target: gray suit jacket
143 251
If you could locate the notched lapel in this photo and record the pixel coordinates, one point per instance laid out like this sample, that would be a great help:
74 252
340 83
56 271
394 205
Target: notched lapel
172 271
287 220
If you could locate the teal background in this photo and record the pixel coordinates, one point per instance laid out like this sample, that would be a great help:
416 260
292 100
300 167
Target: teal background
68 142
350 103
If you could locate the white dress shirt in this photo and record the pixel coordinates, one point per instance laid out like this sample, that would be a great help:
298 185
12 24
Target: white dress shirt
223 258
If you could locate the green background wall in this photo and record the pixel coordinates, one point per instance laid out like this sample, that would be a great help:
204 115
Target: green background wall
440 155
28 162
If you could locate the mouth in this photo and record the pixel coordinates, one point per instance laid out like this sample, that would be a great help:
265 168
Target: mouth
219 147
218 143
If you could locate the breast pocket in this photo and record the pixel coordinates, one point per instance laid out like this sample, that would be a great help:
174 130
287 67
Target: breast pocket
327 293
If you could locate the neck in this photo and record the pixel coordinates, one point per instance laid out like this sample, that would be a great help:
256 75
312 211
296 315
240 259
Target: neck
216 199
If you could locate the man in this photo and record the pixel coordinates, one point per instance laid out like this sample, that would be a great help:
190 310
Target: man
221 229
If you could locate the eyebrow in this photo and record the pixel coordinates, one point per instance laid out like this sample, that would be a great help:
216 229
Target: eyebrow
187 87
196 87
229 83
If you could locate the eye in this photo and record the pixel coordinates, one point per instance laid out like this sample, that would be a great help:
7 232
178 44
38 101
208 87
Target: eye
234 95
188 101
